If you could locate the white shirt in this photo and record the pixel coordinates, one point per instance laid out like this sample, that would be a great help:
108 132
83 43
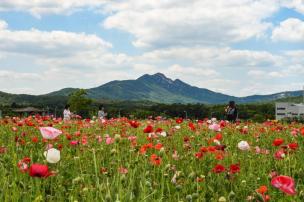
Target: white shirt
101 114
66 114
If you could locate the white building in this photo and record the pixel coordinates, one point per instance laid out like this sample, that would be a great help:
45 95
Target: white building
285 109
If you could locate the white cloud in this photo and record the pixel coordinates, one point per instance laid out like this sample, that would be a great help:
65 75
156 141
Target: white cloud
298 5
53 43
290 30
180 70
42 7
190 22
18 75
3 25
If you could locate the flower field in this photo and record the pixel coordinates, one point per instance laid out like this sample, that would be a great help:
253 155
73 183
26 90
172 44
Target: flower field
46 159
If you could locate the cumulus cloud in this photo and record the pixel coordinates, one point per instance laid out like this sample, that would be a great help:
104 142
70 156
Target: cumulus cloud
290 30
42 7
298 5
53 43
190 22
18 75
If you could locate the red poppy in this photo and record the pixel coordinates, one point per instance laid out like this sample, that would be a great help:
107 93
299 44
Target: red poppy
284 183
191 126
148 129
38 170
277 142
179 120
23 164
159 130
134 124
199 155
3 150
219 137
158 146
262 189
234 168
155 160
186 139
302 131
218 168
145 147
293 146
35 139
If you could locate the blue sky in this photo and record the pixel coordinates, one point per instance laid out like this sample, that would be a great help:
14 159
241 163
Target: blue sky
237 47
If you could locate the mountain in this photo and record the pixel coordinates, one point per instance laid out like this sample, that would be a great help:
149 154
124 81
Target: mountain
159 88
36 100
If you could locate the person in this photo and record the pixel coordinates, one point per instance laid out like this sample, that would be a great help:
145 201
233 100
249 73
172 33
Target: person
231 112
101 113
67 113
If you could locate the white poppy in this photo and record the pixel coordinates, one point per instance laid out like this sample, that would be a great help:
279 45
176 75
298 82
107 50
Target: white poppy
52 155
243 145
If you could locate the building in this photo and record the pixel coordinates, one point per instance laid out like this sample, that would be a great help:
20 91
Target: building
28 111
290 110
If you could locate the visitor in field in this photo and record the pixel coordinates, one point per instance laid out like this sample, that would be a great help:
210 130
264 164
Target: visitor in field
101 113
231 112
67 113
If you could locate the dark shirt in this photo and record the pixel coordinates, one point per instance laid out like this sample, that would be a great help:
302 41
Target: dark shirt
232 114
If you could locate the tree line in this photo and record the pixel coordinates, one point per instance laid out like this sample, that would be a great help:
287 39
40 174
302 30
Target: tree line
87 108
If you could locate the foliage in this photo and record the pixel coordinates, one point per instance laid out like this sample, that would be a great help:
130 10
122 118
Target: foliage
79 103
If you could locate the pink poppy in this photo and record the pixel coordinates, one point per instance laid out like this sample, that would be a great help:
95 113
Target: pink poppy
49 132
284 183
122 170
109 140
215 127
74 142
280 154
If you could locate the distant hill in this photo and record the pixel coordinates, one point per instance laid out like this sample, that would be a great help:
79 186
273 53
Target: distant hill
155 88
36 100
298 99
159 88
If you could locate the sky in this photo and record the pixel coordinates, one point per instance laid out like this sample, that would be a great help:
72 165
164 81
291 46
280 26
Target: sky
236 47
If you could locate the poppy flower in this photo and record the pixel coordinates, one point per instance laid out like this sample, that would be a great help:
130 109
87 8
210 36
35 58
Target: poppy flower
302 131
23 164
284 183
179 120
215 127
35 139
262 189
234 168
277 142
191 126
198 155
155 160
293 146
280 154
74 142
148 129
219 137
158 130
52 155
49 132
39 170
158 146
122 170
243 145
218 168
134 124
3 150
